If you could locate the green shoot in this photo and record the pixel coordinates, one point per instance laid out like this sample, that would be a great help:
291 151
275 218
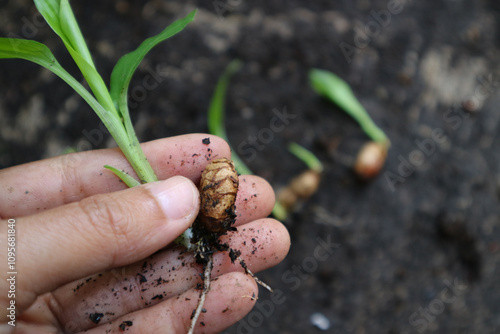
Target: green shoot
125 177
338 91
302 186
216 124
306 156
61 19
110 105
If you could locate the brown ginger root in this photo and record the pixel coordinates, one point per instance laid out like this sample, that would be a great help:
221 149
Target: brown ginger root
218 189
370 160
300 188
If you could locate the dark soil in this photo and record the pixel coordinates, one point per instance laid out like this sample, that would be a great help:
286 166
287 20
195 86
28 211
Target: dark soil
415 250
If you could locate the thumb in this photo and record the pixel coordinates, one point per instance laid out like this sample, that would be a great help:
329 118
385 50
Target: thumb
101 232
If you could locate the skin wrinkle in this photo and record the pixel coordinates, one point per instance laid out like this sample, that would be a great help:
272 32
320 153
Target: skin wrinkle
54 306
74 187
107 220
69 179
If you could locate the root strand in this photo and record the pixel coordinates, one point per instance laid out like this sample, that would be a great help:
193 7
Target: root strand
251 274
203 294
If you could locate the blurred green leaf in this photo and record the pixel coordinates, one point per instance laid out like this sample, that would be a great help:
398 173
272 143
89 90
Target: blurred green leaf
217 110
339 92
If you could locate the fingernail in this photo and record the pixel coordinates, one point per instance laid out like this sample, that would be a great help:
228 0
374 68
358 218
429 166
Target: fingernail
177 196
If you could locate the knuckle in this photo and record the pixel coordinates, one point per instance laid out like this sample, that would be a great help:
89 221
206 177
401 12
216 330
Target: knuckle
69 176
108 218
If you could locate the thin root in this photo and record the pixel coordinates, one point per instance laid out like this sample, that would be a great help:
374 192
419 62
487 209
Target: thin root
251 297
251 274
203 294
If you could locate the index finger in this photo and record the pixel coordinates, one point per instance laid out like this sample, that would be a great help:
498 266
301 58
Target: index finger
49 183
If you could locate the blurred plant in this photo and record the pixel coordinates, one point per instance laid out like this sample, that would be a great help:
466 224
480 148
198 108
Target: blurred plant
304 185
372 155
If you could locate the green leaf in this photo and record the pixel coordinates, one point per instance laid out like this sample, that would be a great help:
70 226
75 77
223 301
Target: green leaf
216 110
61 19
72 31
95 81
338 91
126 66
40 54
50 11
27 49
125 177
120 81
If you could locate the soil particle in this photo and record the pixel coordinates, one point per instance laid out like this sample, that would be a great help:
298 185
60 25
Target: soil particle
78 287
127 323
142 278
96 317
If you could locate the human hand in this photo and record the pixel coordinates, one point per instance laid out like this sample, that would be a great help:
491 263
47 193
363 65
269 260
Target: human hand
91 254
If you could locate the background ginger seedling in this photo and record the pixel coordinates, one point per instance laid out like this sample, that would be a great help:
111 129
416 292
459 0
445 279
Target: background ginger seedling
372 155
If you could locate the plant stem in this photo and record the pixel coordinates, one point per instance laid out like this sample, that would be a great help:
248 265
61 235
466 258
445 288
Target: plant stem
125 137
135 155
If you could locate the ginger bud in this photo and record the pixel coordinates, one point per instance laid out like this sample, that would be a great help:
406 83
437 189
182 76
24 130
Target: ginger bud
218 189
370 160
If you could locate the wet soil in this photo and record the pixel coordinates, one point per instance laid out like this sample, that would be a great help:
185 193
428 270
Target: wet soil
415 250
